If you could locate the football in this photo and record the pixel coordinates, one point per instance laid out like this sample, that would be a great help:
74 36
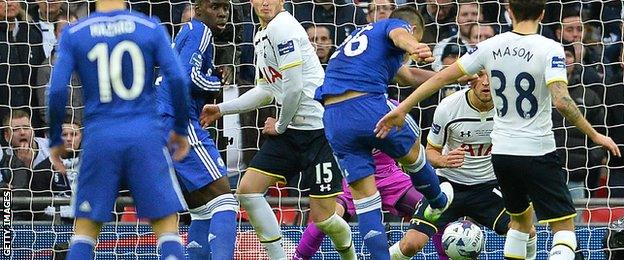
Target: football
462 240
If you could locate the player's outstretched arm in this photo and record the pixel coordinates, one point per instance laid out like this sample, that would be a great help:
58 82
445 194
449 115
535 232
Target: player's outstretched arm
454 159
252 99
396 117
404 40
566 106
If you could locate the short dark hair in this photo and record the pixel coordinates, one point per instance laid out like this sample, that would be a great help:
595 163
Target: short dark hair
524 10
410 15
15 113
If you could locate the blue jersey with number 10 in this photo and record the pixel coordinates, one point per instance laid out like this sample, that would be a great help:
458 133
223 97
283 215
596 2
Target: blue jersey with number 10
366 61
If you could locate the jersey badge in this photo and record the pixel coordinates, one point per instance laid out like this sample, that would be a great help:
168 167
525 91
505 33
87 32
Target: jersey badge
472 50
558 62
286 47
196 60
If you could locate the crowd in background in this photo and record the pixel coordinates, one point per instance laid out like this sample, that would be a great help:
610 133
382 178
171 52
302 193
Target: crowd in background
590 31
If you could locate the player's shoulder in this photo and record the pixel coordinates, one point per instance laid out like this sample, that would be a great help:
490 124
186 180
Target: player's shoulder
455 99
195 28
136 19
284 25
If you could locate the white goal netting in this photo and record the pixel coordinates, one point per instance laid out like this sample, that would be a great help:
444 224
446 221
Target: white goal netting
36 216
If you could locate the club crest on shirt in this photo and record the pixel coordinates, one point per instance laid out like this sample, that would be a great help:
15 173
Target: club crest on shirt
196 60
558 62
286 47
472 50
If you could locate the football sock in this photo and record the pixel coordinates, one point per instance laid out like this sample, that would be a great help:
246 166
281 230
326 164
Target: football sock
437 243
222 236
310 242
425 180
339 232
198 246
515 244
531 248
564 243
170 245
371 228
81 248
264 222
396 254
407 203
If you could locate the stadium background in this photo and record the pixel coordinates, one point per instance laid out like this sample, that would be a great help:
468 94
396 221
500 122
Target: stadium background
39 226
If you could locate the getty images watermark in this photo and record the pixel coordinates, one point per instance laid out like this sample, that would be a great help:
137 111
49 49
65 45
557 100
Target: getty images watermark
6 223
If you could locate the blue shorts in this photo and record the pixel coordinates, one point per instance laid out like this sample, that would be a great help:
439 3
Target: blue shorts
349 129
203 165
135 156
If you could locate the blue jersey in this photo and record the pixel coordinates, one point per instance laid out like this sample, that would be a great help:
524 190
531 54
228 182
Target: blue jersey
115 54
366 61
194 44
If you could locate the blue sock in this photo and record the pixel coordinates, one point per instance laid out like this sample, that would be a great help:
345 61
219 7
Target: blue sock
222 237
198 247
426 181
371 229
170 245
81 248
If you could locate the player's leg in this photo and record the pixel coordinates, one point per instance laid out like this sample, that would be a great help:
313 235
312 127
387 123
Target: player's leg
404 145
511 175
323 214
96 190
212 203
207 191
312 237
553 203
250 194
151 178
421 229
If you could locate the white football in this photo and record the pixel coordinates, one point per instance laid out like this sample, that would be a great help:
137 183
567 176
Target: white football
462 240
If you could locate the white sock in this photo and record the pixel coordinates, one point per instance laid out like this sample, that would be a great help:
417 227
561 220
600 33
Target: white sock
339 232
564 244
515 244
396 254
264 222
531 248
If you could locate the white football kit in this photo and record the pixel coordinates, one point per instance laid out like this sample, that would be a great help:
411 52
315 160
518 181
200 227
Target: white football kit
456 123
520 67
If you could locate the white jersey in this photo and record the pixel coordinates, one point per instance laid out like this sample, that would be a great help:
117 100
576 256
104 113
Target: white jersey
520 68
456 123
284 44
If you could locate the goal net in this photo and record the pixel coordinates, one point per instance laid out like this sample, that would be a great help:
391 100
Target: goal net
37 221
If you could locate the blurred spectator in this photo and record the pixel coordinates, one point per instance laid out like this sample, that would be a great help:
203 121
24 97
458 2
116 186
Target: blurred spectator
439 16
23 145
379 9
614 101
43 78
45 16
571 32
21 51
450 54
479 33
467 15
320 37
581 156
339 13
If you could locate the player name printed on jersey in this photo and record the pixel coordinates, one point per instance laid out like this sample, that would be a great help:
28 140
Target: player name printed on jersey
519 81
457 124
112 29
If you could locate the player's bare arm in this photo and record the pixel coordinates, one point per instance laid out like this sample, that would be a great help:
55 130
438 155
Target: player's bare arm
396 117
405 40
453 159
566 106
252 99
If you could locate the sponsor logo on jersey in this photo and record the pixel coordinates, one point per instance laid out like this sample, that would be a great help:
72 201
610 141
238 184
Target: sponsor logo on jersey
558 62
435 128
286 47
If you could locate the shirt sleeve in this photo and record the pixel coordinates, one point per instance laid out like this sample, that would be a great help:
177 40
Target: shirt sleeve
191 55
392 24
287 47
555 65
174 75
473 61
437 133
58 92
